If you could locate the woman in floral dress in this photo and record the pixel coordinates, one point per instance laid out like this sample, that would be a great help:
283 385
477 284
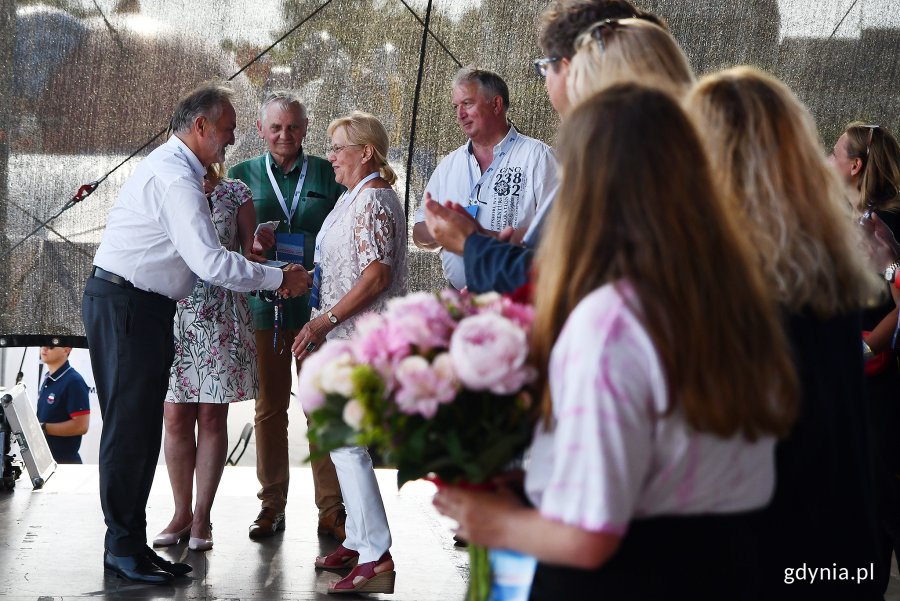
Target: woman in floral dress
215 364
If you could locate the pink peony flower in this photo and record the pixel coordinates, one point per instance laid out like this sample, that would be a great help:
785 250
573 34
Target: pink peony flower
420 319
309 394
521 315
423 387
489 353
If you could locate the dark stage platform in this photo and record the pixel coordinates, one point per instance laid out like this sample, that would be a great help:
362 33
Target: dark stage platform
51 544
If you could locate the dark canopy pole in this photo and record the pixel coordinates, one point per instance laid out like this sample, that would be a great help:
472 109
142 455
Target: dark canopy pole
415 107
7 45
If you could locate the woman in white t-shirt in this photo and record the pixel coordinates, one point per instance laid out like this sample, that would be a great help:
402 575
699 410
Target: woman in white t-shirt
665 373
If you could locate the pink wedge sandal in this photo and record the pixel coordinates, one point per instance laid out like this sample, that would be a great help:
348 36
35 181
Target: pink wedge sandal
342 558
366 578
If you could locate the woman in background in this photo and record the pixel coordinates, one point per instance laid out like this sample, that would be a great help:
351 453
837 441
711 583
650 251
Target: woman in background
867 157
771 168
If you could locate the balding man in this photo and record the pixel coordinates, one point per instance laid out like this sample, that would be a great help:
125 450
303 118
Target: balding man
159 239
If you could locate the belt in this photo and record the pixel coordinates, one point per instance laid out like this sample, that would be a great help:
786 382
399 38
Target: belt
112 278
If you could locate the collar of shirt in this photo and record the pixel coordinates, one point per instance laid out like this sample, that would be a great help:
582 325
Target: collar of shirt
195 164
298 163
512 131
60 372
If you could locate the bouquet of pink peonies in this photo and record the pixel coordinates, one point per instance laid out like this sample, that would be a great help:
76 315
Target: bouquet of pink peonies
438 384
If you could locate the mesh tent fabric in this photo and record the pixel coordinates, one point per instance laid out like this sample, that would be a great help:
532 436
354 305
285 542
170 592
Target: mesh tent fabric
84 84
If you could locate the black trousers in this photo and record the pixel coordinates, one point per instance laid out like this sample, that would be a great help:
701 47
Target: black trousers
131 342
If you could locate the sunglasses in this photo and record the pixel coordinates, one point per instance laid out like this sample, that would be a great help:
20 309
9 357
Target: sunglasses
597 30
871 129
542 65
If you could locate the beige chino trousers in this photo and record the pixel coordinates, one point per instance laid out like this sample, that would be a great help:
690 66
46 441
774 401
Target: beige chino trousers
271 424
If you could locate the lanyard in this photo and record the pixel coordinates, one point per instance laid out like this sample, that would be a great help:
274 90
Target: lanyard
346 199
475 187
296 200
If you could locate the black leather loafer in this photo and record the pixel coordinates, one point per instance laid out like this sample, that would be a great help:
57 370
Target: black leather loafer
174 568
137 568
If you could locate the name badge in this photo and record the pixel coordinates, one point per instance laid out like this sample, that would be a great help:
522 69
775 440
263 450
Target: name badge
317 282
472 210
289 247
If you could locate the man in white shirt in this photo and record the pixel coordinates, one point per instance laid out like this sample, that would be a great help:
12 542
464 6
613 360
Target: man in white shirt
502 176
159 239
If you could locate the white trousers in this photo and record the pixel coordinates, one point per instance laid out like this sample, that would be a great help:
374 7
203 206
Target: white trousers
367 527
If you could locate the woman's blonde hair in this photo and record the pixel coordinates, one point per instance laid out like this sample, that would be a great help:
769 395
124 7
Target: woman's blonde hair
215 172
879 182
637 206
365 129
772 170
621 50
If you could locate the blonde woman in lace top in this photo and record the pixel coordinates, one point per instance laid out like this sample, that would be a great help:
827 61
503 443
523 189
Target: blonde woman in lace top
360 263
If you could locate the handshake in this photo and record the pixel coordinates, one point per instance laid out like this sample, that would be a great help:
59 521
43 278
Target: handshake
296 282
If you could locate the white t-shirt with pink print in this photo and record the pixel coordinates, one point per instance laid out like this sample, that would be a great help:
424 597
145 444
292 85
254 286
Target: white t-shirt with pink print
613 455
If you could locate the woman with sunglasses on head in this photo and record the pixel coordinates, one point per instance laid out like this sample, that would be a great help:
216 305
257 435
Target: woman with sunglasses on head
360 262
769 165
622 50
665 373
868 159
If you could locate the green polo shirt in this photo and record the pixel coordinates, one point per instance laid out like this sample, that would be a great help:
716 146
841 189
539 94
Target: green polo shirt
317 198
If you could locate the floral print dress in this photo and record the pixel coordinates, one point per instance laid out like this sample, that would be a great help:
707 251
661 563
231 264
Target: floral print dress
215 350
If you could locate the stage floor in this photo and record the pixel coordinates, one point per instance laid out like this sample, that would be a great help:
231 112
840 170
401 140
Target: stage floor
52 543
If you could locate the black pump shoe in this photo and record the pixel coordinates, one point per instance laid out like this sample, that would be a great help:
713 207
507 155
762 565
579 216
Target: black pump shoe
174 568
137 568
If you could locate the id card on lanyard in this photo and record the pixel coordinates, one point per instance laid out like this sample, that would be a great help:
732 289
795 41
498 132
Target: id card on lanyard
295 201
345 201
288 247
475 187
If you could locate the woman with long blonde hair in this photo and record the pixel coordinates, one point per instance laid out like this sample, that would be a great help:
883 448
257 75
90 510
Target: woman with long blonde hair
665 369
772 171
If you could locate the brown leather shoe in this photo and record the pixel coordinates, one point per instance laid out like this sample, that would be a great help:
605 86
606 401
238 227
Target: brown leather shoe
267 523
333 525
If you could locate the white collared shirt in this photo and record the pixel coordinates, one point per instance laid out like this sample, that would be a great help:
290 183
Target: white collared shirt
160 237
523 181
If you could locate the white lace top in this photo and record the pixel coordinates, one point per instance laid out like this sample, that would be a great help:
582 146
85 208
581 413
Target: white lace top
371 228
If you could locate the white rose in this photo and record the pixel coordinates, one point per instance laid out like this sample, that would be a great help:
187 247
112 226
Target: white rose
353 414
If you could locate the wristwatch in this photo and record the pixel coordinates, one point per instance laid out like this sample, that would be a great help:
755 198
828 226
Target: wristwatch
332 318
890 271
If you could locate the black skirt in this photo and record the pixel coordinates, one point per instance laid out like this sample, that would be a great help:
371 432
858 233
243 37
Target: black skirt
697 558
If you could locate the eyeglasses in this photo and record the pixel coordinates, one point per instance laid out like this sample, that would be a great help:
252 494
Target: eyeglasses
596 30
542 65
337 149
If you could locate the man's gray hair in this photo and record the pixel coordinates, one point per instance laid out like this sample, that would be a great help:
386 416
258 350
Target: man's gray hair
206 100
491 84
284 99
